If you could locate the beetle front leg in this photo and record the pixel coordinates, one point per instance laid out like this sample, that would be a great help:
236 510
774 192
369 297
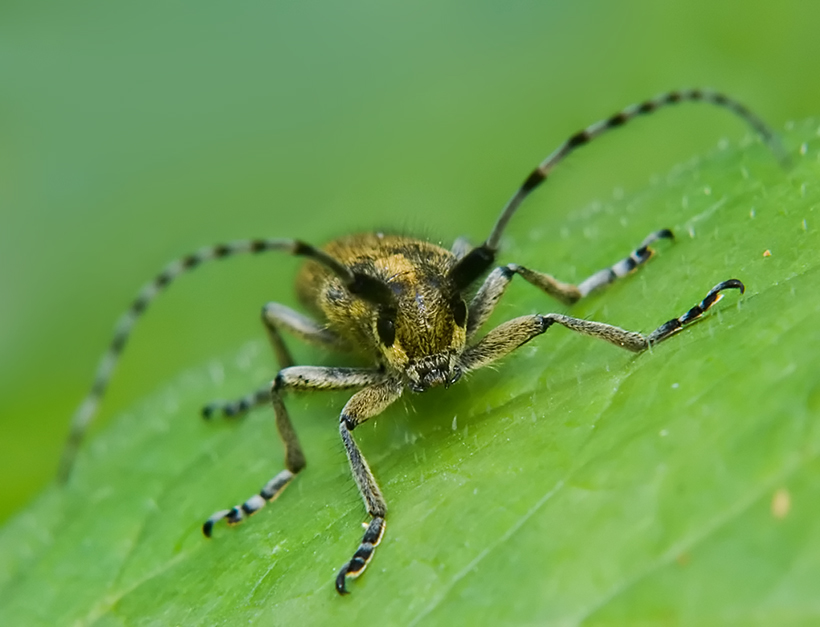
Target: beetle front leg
637 342
363 405
507 337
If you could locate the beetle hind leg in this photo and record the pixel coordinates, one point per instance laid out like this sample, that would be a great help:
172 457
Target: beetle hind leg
294 462
236 515
239 407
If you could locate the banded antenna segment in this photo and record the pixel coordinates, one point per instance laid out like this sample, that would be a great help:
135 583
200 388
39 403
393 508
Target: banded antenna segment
540 174
88 408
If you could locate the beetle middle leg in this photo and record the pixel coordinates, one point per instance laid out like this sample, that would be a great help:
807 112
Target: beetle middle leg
510 335
496 283
277 318
294 378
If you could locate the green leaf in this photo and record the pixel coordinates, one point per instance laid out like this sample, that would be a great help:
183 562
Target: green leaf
576 483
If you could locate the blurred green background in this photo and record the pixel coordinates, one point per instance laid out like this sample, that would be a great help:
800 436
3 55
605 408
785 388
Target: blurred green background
133 133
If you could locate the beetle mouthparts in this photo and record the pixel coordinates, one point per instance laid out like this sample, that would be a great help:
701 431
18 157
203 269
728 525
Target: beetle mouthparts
432 372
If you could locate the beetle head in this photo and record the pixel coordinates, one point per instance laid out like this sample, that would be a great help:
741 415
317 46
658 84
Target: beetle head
422 331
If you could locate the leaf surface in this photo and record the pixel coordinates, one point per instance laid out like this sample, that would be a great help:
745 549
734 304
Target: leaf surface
574 484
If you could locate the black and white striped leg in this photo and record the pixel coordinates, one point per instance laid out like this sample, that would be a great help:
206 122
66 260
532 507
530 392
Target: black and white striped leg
363 405
675 325
235 515
277 318
496 283
637 342
361 558
625 266
294 462
239 407
507 337
303 378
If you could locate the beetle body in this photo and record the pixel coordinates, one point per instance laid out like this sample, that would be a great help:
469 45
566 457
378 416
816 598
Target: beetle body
400 302
421 336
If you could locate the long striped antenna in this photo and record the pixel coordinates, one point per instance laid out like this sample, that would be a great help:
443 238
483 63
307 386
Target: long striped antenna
539 174
366 287
479 259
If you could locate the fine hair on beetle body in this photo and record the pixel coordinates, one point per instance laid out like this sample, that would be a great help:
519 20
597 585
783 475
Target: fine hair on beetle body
415 311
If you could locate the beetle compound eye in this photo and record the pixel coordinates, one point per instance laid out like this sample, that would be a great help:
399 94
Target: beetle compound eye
460 312
386 329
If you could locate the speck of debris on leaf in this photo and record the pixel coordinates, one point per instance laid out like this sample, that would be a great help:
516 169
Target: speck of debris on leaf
781 503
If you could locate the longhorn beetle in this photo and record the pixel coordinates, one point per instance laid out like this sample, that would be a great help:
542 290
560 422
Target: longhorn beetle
403 303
